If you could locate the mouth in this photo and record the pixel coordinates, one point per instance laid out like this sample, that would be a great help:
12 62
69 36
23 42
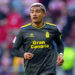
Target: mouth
35 17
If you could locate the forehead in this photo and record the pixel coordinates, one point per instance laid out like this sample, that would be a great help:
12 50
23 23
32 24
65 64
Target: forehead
36 8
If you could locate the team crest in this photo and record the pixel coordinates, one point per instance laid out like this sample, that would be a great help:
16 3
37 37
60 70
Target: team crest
31 35
47 34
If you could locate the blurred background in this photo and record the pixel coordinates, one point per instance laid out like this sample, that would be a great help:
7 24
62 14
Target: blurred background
15 13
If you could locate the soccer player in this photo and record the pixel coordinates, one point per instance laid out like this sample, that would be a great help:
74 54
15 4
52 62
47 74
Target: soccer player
37 40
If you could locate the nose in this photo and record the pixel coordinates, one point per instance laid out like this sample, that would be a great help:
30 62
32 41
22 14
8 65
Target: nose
34 14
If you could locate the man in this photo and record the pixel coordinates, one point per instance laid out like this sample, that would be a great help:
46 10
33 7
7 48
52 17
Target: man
37 40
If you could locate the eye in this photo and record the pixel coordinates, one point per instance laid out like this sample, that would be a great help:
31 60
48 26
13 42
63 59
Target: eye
31 11
38 11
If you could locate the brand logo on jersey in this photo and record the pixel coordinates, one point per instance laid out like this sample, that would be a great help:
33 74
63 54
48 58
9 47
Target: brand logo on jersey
47 34
31 35
39 44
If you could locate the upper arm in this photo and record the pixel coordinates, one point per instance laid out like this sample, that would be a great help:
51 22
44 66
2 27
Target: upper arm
18 41
58 37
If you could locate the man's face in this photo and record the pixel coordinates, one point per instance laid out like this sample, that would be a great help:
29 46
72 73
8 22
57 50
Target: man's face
36 14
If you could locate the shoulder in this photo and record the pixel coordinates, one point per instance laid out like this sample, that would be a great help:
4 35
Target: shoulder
25 26
51 26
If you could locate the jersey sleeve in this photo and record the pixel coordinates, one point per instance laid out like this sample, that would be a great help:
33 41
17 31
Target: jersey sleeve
17 45
58 41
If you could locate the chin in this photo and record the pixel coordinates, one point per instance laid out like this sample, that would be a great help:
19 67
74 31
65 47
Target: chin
35 21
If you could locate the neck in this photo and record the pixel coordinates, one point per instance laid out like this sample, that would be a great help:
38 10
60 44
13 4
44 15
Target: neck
38 24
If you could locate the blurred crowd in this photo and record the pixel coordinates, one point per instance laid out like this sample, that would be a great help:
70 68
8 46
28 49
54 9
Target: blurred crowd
15 13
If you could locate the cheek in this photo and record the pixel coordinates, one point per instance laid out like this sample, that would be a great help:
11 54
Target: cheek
31 16
41 16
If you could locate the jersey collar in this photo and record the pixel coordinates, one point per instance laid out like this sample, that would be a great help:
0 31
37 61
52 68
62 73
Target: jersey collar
39 27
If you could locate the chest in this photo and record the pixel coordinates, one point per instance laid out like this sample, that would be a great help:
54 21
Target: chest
39 34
